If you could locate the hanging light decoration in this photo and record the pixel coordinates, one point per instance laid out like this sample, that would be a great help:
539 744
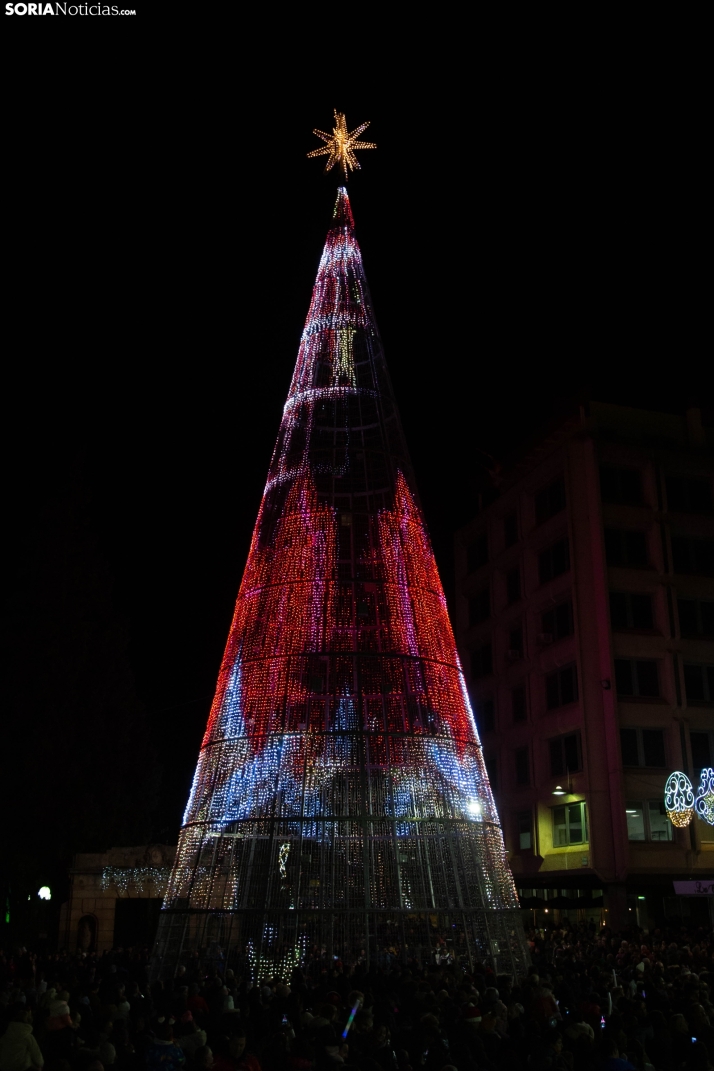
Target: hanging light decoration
704 803
679 799
341 145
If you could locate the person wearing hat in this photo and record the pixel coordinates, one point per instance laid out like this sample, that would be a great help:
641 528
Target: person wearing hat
19 1050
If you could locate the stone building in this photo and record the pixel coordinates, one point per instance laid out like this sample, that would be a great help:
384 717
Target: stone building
115 898
585 622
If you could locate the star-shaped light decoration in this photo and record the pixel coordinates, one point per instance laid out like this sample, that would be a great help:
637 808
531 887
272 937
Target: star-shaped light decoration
341 145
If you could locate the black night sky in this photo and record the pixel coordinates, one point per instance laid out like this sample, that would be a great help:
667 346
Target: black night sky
526 247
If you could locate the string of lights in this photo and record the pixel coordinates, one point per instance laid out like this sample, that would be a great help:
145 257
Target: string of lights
138 878
704 803
679 799
340 805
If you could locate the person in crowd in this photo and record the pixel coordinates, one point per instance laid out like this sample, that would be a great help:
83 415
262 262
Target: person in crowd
19 1050
592 1000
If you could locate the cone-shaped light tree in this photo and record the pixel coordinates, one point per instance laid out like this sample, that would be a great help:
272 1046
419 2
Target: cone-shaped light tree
340 806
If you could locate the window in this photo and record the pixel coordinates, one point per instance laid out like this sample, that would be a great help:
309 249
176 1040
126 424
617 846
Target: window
570 825
550 500
515 643
565 755
518 703
625 548
693 555
524 831
491 763
688 494
480 607
554 561
481 661
477 553
628 610
523 770
620 485
696 618
642 747
561 687
699 682
648 821
486 715
636 677
510 529
702 750
558 622
513 585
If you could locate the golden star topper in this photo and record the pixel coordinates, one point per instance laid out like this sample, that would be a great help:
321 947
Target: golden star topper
341 145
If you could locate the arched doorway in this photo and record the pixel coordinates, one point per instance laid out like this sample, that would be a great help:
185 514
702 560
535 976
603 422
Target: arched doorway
87 934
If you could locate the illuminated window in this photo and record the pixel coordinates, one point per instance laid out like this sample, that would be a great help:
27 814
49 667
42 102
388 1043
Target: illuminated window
699 682
696 617
689 494
620 485
565 754
693 555
647 821
553 561
477 553
637 677
561 687
624 547
558 621
479 607
524 831
642 747
570 825
510 529
550 500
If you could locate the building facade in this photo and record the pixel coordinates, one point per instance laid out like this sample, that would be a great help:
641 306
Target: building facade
585 621
115 898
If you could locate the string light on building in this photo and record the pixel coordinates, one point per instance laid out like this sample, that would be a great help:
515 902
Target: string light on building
340 803
137 878
704 803
679 799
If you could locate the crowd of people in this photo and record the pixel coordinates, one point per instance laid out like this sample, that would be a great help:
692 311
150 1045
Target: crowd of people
592 1001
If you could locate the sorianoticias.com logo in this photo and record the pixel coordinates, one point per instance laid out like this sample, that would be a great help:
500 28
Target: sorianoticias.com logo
66 9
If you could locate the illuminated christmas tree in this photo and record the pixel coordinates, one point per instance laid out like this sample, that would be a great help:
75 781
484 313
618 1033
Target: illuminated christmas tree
340 806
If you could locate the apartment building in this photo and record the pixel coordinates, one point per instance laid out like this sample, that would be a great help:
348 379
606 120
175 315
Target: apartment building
585 622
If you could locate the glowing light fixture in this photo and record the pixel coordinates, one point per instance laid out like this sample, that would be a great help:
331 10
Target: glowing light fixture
704 803
44 893
679 799
559 791
341 145
474 808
